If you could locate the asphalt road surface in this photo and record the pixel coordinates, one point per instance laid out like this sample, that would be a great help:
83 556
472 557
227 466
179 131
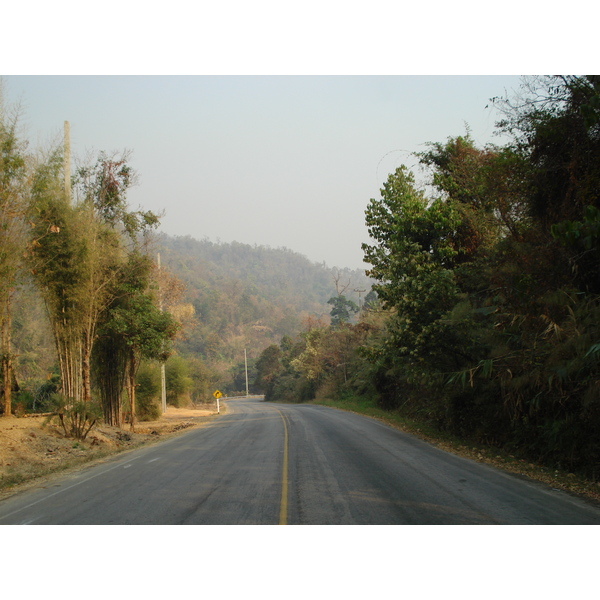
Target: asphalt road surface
268 464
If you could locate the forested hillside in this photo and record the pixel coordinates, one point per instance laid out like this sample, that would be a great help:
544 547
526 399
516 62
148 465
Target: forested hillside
243 297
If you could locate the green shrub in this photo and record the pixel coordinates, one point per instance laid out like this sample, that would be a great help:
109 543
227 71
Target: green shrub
76 418
178 381
43 395
149 410
147 393
22 403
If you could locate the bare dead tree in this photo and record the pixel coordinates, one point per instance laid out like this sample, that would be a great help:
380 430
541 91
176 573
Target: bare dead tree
339 287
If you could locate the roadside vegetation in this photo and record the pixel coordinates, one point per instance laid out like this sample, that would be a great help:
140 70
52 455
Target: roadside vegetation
75 279
90 316
484 320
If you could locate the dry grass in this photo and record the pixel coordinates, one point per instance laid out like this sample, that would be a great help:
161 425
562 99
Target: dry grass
31 450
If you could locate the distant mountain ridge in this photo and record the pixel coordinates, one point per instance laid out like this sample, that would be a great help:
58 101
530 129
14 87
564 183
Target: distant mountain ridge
250 296
282 271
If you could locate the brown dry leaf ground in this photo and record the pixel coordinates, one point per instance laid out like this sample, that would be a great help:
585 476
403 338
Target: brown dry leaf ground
31 449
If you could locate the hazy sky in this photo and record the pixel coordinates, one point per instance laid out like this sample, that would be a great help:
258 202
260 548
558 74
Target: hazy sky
270 160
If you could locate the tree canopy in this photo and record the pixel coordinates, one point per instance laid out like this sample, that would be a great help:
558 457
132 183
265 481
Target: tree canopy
487 319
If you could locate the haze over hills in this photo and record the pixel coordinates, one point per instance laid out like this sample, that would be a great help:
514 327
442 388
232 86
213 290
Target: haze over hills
247 297
237 298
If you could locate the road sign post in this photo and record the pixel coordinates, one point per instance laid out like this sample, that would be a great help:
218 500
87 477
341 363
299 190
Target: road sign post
217 394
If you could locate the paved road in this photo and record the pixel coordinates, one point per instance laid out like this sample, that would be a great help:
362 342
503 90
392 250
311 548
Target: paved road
265 463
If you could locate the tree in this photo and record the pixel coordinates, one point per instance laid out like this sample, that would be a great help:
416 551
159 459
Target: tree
203 378
79 268
268 366
486 185
110 353
145 331
341 310
557 126
179 382
371 301
554 123
104 187
147 392
133 328
490 332
413 259
75 258
414 250
58 252
13 190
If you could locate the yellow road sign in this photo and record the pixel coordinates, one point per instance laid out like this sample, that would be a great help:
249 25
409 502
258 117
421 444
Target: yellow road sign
217 394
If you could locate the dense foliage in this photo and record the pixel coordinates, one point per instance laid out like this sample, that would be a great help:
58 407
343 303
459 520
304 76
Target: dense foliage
246 298
13 203
489 325
75 247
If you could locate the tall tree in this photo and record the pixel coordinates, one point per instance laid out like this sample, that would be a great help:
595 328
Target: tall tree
487 186
268 366
77 267
412 258
146 332
13 190
554 123
413 241
74 257
132 329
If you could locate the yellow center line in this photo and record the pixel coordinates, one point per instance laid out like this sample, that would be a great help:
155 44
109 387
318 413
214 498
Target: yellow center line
283 506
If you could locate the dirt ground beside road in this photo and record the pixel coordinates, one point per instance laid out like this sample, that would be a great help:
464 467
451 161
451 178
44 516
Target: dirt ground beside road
31 449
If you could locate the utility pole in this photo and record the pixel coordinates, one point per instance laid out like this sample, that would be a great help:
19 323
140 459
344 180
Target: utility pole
163 379
67 161
359 298
246 366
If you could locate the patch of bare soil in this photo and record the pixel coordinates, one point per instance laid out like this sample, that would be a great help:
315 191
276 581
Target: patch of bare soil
32 448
